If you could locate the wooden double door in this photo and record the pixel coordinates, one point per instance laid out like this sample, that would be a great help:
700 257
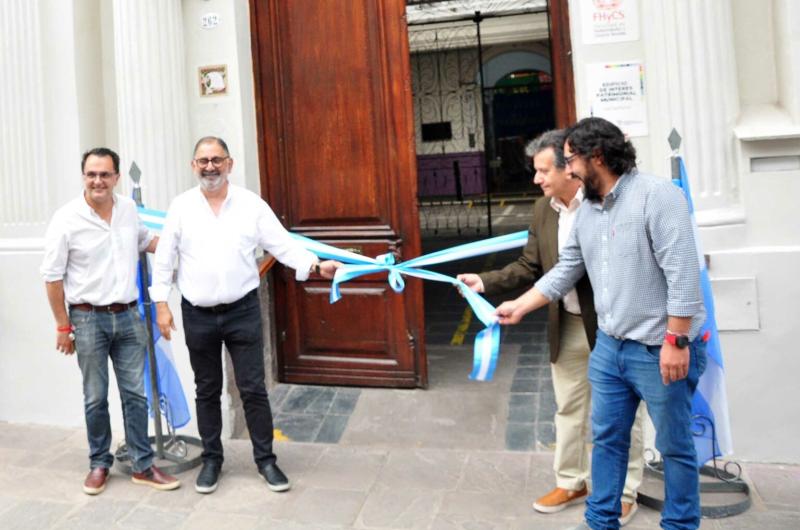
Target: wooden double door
338 165
337 153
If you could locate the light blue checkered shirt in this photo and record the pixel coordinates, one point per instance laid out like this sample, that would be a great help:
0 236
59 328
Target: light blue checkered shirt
639 250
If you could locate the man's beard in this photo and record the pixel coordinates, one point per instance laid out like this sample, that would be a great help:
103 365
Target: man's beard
211 181
590 186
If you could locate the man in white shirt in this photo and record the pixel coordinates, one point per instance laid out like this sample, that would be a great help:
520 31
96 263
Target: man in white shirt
214 230
571 330
92 247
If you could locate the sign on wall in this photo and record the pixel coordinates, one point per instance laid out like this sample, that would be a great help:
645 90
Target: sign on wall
609 21
616 93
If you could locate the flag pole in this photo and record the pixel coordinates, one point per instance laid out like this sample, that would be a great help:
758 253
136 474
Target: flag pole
724 480
144 273
176 450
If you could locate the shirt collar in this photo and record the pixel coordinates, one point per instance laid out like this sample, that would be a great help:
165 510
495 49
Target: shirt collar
86 209
574 204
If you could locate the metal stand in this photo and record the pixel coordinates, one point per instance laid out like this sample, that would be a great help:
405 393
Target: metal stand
174 448
725 479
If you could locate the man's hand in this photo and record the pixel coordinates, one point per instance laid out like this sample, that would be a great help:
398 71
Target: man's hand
65 342
511 312
164 320
328 268
473 281
674 363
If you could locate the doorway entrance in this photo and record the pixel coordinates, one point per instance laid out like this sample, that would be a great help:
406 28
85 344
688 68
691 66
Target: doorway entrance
484 83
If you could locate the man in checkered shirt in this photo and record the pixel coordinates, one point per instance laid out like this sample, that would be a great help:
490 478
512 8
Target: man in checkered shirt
633 236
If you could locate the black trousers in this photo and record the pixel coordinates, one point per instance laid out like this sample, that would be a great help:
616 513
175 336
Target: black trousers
238 325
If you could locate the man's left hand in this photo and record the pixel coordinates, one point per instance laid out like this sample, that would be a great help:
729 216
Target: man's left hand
674 363
328 268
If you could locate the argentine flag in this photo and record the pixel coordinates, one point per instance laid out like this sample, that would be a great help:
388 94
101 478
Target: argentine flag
172 400
711 425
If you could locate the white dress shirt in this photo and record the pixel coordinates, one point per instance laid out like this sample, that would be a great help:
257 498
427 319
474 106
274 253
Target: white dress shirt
96 260
217 253
566 218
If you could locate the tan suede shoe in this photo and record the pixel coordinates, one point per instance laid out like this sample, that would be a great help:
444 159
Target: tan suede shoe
558 499
628 511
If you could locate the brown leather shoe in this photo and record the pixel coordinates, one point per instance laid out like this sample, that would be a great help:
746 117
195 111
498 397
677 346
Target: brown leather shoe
95 481
155 478
628 511
558 499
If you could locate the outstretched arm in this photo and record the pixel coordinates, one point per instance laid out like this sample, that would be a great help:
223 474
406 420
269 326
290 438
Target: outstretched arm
511 312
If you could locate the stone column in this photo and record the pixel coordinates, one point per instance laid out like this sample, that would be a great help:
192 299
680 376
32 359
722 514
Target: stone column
151 89
24 199
692 86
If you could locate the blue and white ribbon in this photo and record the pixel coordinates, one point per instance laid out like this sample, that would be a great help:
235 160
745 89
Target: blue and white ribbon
487 341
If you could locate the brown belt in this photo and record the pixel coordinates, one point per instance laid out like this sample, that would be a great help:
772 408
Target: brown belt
113 308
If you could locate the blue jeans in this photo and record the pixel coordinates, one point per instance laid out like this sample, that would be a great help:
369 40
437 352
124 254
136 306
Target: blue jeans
121 337
623 372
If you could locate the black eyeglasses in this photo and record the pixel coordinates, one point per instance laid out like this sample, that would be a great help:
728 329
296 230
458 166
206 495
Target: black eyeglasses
102 175
217 161
568 159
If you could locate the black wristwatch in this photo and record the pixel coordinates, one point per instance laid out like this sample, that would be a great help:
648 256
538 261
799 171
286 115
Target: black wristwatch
676 339
316 268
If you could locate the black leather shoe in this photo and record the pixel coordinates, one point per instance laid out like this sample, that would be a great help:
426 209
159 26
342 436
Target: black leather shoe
208 478
276 480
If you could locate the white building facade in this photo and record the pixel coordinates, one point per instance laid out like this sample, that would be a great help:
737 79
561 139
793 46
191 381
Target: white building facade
147 78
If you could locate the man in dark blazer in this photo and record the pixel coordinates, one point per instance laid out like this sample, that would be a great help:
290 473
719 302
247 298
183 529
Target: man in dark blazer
571 329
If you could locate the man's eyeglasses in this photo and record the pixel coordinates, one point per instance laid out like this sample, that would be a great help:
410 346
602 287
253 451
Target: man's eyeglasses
568 159
217 161
103 175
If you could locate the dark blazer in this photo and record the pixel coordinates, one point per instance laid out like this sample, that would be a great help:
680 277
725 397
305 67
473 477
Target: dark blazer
539 256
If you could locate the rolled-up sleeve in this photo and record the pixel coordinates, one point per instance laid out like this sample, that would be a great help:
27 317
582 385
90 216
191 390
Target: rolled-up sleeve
56 251
675 248
276 240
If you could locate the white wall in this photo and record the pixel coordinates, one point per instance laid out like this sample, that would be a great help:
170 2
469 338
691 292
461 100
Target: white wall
66 95
725 75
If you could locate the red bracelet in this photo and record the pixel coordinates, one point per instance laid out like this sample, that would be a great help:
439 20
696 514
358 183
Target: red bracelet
64 329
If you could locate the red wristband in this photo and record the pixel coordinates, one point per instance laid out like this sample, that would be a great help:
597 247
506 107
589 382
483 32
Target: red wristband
64 329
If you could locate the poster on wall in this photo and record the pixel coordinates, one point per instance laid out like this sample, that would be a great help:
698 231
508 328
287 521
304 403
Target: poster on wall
616 93
609 21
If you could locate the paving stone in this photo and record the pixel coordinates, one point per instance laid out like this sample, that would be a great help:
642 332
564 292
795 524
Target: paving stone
522 408
218 521
28 514
333 425
345 400
299 427
308 399
778 485
526 373
547 405
468 522
323 507
396 509
425 468
44 439
520 436
97 513
348 468
277 395
147 518
527 386
545 433
495 472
